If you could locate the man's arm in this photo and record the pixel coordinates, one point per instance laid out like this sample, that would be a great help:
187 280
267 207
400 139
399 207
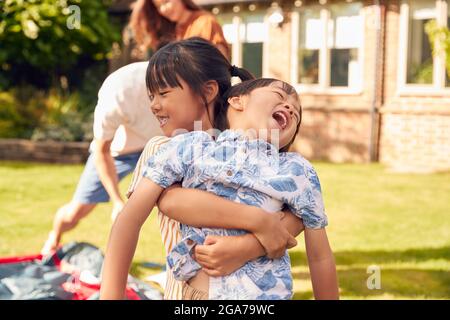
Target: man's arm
107 172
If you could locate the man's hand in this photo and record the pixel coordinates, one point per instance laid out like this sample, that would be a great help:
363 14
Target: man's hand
117 208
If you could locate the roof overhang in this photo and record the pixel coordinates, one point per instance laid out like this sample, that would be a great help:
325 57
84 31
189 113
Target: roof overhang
218 2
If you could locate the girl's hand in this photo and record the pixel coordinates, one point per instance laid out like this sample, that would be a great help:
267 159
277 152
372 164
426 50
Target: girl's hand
220 256
272 234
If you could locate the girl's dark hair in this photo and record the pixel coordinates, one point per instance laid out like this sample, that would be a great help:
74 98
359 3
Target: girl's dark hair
149 27
246 87
196 61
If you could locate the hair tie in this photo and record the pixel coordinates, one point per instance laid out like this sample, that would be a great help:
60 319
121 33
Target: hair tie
234 71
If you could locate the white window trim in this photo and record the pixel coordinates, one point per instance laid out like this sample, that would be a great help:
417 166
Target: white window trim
237 21
437 88
237 46
265 50
324 60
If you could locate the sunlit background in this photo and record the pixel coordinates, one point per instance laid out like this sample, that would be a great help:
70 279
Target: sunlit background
373 78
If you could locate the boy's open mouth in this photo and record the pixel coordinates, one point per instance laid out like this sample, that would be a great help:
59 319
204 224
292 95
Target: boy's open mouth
282 118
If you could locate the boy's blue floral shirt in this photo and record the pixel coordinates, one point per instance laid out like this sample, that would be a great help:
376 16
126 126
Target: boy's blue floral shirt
248 171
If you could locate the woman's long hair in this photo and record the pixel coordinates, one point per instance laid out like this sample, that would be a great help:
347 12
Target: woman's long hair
150 29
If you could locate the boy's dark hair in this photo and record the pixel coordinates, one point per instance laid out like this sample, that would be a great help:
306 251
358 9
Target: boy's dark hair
245 88
196 61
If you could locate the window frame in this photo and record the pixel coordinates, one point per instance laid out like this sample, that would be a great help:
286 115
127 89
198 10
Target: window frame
324 87
238 20
438 86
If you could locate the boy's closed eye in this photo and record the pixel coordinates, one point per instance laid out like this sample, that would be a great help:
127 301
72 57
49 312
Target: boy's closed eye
281 97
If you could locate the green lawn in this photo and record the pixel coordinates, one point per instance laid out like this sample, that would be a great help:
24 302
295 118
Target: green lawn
398 222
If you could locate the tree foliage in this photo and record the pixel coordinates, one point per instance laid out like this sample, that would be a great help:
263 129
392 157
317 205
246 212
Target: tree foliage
439 37
42 40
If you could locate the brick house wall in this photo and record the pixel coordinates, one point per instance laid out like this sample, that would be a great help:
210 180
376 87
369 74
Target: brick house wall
415 129
407 132
418 142
44 151
335 127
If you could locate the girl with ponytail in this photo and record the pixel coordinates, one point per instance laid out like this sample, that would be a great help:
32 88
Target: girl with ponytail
187 81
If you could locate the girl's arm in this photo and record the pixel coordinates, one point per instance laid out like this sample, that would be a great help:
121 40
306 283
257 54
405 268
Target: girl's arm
220 256
203 209
124 237
321 265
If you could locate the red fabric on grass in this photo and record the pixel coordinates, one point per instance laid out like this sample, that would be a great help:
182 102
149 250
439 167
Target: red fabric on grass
80 289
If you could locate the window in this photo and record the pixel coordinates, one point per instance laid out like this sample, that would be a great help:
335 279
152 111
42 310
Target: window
253 35
419 58
418 68
246 33
309 46
344 40
329 43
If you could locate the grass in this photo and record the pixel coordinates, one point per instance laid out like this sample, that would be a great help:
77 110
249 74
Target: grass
396 222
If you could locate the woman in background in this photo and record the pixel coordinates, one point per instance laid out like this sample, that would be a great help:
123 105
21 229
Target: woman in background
154 23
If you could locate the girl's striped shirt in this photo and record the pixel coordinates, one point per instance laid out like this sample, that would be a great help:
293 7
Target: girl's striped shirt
169 228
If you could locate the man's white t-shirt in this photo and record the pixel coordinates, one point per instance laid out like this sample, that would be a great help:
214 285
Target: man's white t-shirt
123 111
